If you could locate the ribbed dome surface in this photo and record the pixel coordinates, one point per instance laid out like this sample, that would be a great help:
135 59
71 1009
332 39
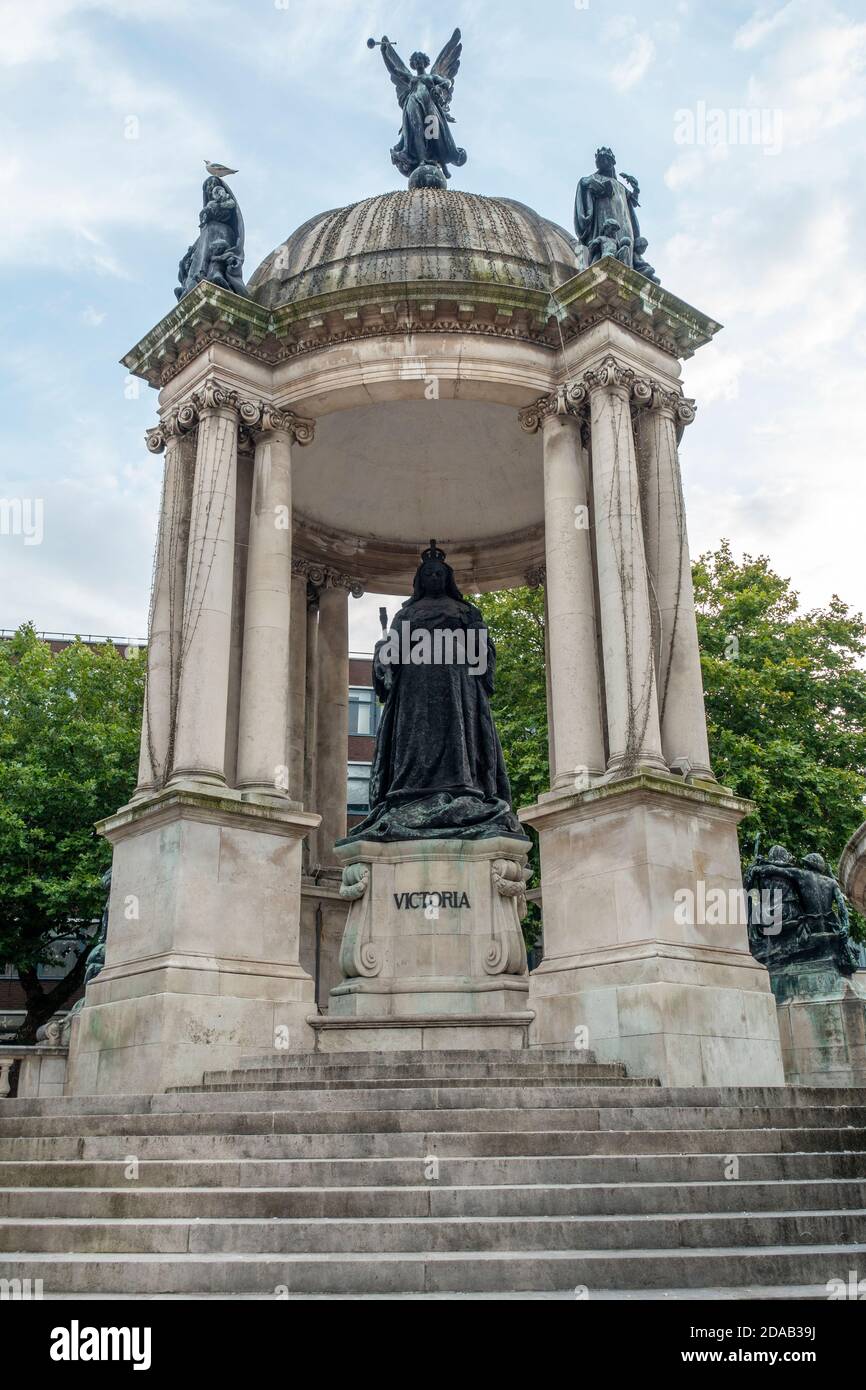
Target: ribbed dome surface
425 234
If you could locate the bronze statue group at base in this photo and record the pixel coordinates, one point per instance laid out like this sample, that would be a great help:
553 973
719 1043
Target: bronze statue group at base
798 920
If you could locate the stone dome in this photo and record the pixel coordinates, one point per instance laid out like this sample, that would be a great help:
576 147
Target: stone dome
409 236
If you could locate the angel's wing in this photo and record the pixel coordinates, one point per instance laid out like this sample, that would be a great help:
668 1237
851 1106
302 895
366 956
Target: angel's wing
400 74
447 65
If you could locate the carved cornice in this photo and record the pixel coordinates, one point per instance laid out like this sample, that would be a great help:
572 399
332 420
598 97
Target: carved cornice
611 292
323 577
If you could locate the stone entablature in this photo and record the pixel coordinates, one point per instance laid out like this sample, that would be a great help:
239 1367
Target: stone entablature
606 291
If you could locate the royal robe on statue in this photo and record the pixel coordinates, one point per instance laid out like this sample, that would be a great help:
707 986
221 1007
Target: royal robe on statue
438 770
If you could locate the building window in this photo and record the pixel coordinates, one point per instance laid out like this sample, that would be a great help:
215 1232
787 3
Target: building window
358 798
364 710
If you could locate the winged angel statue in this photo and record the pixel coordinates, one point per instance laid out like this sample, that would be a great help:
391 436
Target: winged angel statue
426 146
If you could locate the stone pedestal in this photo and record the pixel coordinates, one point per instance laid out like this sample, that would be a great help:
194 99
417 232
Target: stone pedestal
202 948
636 948
822 1025
432 941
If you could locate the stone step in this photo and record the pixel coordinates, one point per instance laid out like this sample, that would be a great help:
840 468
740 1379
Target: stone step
418 1144
346 1121
276 1081
136 1201
793 1294
456 1171
490 1057
512 1097
437 1272
329 1235
428 1074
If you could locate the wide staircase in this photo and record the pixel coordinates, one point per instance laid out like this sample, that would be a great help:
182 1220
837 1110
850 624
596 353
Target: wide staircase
496 1175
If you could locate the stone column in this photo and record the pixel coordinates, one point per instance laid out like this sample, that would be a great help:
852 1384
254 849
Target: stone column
262 765
332 714
297 684
199 748
165 627
678 662
634 734
574 701
311 723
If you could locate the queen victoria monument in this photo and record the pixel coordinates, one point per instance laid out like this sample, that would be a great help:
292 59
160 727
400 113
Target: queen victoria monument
424 362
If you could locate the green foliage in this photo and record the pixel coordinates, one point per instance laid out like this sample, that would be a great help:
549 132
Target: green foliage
785 696
69 730
516 621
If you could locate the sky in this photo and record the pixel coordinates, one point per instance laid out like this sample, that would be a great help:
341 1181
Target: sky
743 123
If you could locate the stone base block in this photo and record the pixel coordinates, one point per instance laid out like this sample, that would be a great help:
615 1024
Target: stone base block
202 947
433 931
323 922
423 1034
645 943
824 1037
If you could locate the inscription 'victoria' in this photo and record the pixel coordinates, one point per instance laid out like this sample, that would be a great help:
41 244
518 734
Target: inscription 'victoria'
407 900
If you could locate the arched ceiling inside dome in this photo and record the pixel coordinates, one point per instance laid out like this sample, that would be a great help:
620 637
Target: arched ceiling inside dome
462 471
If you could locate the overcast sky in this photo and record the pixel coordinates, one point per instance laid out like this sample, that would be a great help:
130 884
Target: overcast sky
109 106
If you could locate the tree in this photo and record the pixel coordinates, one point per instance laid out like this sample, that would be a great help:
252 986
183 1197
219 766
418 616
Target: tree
69 728
516 621
785 696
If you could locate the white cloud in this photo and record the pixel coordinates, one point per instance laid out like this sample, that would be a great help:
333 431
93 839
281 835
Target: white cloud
763 22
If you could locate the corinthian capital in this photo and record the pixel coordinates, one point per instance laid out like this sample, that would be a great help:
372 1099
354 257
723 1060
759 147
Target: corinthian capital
263 418
323 577
212 396
567 399
666 401
610 375
173 423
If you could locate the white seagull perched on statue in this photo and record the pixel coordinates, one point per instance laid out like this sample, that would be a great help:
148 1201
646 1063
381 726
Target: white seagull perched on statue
219 171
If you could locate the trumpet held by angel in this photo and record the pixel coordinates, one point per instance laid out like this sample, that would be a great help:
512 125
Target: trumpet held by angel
426 145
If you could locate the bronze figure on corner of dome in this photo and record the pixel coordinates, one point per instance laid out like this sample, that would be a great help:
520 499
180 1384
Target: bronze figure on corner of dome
217 255
426 146
605 198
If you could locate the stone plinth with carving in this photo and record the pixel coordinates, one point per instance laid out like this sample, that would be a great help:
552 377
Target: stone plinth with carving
432 943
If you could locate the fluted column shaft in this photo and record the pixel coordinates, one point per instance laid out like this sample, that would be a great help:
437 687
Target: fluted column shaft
678 661
297 686
311 722
634 734
165 628
332 717
577 747
200 739
264 702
